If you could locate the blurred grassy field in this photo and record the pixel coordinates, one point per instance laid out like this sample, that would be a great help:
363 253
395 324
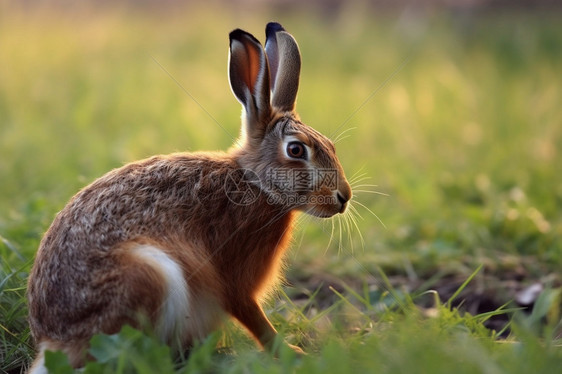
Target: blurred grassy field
456 117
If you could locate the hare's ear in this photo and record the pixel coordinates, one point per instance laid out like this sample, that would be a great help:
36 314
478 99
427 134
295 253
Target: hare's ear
285 66
249 80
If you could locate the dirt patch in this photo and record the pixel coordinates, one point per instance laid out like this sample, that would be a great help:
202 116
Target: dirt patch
487 292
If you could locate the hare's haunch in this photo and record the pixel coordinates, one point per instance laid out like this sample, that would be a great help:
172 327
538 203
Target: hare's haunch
178 242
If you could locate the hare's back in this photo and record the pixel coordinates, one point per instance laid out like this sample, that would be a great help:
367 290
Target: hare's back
146 198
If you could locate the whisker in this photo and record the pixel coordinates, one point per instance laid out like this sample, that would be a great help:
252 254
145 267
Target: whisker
340 139
373 192
353 220
348 229
357 183
339 136
340 241
310 217
354 185
350 234
331 236
355 212
370 211
359 171
358 177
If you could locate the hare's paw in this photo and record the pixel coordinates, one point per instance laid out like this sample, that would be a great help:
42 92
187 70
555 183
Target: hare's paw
297 350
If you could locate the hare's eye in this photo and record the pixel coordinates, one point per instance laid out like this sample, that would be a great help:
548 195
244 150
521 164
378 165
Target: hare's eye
296 150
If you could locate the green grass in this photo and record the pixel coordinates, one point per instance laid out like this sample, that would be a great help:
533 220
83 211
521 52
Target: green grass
456 118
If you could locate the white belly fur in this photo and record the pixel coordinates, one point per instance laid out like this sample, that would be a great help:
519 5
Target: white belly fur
185 316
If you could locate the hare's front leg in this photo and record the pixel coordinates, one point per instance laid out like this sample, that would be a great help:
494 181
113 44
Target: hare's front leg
252 316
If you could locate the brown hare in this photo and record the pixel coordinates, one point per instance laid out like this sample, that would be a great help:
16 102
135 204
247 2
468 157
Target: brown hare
183 240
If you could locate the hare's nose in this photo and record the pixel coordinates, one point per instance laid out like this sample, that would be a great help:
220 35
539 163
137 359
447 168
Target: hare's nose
343 194
343 201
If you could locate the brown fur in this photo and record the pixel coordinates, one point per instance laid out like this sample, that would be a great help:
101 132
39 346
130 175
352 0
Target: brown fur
87 278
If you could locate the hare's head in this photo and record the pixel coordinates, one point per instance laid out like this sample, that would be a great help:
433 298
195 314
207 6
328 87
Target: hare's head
296 165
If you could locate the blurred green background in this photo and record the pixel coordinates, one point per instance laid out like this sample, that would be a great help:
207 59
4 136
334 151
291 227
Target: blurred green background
454 112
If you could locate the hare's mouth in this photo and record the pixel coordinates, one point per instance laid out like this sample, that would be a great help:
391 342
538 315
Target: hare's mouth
322 211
